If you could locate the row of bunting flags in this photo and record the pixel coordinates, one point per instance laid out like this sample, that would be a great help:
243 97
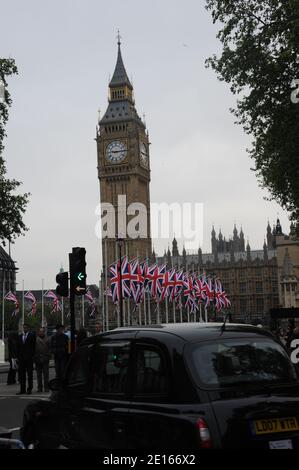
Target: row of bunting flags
56 306
132 279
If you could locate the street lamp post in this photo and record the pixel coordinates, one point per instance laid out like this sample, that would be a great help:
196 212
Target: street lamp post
119 242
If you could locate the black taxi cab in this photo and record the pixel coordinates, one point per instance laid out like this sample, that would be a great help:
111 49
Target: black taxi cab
174 386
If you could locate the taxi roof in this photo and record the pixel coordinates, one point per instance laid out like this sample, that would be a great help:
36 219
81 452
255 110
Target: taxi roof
189 331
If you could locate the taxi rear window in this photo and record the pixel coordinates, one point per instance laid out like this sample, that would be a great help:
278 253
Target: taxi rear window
232 362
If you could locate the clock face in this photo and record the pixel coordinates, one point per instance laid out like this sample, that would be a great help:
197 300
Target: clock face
143 154
116 151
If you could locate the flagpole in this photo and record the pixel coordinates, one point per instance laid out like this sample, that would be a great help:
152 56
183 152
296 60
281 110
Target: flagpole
166 309
3 310
42 302
102 297
106 283
144 306
174 287
124 312
146 262
174 319
181 311
200 313
188 314
127 301
23 303
206 315
158 312
149 309
83 319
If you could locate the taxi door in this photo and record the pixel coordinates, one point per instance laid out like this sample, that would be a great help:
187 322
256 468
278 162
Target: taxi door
104 416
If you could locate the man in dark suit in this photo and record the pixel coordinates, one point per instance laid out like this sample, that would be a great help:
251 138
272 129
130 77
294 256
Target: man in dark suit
26 351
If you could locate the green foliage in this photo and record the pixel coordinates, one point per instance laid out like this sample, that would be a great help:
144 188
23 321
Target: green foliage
259 60
12 206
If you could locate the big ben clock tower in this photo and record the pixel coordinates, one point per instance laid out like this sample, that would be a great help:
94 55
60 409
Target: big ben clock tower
123 171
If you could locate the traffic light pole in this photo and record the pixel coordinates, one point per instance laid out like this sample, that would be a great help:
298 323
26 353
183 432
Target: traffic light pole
72 308
73 323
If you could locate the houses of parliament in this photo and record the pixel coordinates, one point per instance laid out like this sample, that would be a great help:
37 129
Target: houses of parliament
255 281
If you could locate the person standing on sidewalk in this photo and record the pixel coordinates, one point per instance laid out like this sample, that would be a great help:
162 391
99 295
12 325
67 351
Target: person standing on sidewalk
12 344
26 351
42 359
59 347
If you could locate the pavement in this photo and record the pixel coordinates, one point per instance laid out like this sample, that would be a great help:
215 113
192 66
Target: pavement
4 366
12 405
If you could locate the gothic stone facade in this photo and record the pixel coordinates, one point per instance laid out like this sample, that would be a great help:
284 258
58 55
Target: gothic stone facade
255 280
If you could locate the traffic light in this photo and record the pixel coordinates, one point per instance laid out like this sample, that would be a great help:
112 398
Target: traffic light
78 271
62 280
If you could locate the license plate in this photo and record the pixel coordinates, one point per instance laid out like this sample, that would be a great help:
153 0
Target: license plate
284 444
272 425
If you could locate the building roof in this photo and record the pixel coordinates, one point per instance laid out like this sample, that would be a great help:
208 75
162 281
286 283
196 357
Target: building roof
120 76
222 257
121 111
6 262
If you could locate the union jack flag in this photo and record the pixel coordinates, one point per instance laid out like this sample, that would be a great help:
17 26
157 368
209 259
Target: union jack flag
136 280
167 284
157 281
221 300
200 289
56 304
209 293
12 298
50 294
91 301
177 284
191 303
148 272
29 296
120 282
188 288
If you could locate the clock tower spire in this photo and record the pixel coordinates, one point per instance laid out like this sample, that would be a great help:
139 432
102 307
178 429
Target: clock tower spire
123 170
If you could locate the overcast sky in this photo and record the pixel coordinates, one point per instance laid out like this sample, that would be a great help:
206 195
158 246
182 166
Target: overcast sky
65 52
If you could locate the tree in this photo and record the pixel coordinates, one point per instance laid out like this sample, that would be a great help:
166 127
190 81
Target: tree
260 61
12 206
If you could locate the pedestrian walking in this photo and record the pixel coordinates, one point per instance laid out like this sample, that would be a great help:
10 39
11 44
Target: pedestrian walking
42 359
59 348
25 355
81 335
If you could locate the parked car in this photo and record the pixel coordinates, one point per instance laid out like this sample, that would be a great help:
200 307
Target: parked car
183 386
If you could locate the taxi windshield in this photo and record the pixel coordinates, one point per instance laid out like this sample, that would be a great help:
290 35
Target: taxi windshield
232 362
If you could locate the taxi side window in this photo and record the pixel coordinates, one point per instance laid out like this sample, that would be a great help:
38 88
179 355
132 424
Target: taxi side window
77 372
111 369
151 374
